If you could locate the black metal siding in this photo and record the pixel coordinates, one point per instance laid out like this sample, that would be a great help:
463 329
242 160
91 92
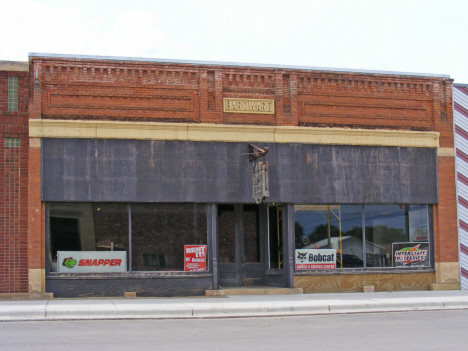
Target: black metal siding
216 172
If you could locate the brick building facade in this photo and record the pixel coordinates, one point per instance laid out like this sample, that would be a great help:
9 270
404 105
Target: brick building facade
140 138
14 140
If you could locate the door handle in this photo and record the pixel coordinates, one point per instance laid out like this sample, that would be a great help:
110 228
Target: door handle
243 259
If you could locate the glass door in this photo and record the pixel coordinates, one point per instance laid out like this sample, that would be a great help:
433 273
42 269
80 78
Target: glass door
240 256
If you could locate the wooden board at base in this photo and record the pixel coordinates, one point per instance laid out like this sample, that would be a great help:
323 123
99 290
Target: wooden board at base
355 282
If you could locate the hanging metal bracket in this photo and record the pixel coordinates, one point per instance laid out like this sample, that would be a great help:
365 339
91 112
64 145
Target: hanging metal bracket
256 152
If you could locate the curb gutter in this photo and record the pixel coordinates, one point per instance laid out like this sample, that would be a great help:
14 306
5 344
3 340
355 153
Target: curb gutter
227 308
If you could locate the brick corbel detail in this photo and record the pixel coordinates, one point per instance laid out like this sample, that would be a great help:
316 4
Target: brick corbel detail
279 99
204 118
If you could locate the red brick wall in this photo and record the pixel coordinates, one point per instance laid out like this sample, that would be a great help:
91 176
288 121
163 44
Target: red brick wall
141 91
35 211
14 188
445 213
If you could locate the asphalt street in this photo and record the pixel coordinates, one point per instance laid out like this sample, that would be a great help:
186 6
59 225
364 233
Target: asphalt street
416 330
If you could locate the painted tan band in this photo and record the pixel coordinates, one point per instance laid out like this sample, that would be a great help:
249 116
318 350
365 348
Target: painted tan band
34 142
228 133
446 151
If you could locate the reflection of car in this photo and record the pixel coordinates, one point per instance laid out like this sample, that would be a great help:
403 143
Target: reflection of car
351 261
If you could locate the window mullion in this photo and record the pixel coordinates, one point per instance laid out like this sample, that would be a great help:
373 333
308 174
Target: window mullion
364 249
129 210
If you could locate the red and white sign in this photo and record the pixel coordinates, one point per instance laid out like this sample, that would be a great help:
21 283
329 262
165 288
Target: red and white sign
91 261
315 259
194 258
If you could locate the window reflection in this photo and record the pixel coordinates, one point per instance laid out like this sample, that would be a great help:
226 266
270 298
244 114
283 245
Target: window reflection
390 231
336 227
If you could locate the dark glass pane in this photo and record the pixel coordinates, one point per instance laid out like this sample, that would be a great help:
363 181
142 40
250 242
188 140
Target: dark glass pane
251 234
87 227
337 227
160 232
418 223
275 237
111 227
385 225
64 235
226 234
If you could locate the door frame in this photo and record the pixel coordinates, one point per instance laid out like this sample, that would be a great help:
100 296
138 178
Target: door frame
244 273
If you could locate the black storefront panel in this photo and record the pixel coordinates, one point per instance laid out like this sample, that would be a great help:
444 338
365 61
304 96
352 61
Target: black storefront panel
86 170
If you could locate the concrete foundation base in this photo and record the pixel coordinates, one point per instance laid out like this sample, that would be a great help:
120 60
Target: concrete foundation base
368 288
36 281
436 287
26 296
447 272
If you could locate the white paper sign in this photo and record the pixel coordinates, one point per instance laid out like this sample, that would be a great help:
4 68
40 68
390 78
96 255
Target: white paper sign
91 261
315 259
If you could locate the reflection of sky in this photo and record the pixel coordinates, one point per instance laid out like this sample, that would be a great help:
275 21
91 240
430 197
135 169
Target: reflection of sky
393 216
350 218
418 217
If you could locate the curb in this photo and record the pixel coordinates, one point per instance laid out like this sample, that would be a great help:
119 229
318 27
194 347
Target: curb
120 309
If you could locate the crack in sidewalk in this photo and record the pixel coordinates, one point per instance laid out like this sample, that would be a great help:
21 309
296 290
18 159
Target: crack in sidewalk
45 310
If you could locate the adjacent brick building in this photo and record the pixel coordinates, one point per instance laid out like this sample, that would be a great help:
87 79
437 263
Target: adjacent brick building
14 141
143 156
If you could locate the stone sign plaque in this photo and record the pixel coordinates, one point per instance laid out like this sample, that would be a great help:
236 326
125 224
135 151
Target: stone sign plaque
260 181
260 106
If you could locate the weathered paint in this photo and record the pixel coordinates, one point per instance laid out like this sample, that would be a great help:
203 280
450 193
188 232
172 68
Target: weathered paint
214 172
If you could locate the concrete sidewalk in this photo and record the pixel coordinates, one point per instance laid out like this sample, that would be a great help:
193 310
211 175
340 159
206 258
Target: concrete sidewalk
233 306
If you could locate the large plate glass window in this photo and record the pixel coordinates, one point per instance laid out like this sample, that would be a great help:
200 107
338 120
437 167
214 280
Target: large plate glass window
116 237
76 228
332 236
335 228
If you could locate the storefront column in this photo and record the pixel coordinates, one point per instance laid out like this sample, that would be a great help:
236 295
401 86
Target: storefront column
213 242
445 225
36 252
288 244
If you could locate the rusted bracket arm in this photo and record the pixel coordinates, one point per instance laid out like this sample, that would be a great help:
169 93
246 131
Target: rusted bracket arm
255 152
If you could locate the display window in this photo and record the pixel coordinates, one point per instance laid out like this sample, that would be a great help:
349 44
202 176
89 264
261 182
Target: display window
361 236
160 232
115 237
